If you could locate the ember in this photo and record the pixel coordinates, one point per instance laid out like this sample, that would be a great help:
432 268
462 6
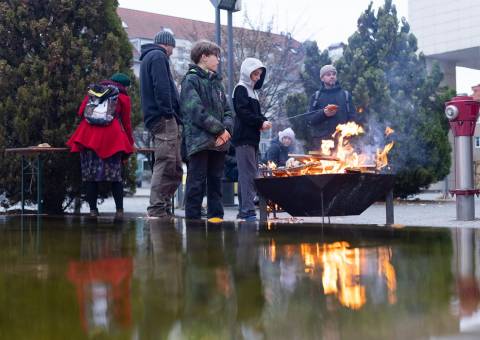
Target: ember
336 156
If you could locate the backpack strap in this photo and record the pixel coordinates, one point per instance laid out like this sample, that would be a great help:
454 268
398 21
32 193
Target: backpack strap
315 100
347 100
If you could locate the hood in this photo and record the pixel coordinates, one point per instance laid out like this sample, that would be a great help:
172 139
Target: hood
145 49
248 66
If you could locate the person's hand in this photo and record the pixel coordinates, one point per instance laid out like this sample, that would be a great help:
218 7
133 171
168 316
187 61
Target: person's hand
266 125
223 138
330 110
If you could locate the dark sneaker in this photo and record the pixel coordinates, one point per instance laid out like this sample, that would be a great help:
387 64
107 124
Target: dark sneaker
247 218
252 218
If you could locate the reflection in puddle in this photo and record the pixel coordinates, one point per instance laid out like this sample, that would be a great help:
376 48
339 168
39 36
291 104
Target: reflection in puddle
103 292
466 264
340 269
179 281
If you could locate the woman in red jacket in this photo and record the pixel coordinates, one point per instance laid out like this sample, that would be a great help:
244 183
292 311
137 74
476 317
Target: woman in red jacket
102 148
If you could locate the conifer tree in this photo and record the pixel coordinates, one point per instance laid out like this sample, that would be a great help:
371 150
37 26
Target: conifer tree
313 62
50 51
298 103
391 84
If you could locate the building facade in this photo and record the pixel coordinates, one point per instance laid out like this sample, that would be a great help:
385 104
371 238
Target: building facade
448 32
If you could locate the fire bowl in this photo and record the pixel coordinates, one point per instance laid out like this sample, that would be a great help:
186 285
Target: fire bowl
326 195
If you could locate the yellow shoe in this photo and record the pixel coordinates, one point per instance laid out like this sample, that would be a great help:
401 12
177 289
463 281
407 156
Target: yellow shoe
215 220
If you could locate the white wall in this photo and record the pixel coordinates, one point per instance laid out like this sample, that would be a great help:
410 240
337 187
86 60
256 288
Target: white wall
445 25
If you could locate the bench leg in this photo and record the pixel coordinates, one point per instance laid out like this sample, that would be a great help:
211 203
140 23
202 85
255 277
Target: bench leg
262 204
22 185
389 207
39 185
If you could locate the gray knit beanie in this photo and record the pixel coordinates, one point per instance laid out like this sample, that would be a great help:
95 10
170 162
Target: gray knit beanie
164 38
327 68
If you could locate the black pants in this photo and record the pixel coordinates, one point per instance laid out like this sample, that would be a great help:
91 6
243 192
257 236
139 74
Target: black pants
92 194
204 166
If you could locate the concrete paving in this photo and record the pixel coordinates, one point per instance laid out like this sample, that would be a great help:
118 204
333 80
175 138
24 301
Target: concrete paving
426 209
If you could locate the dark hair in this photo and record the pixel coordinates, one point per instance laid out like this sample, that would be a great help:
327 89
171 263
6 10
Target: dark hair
204 47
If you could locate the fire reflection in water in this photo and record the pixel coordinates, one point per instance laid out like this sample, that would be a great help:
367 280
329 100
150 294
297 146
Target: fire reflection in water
342 269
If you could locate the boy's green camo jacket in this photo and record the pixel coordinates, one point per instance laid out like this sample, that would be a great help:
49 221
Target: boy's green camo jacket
205 110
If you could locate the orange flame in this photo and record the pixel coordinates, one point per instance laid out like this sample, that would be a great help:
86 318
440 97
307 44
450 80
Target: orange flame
327 146
389 131
382 160
271 165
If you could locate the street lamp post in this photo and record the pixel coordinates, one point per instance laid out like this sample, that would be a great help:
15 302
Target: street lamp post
230 6
218 36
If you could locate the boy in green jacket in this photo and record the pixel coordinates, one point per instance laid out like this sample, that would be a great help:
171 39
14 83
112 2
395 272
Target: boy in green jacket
207 130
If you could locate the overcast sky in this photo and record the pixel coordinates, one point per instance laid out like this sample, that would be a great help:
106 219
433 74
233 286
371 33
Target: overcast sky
326 21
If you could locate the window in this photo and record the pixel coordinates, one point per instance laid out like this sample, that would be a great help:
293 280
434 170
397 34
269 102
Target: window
477 142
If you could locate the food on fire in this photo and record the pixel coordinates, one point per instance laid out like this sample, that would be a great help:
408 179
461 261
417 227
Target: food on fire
331 107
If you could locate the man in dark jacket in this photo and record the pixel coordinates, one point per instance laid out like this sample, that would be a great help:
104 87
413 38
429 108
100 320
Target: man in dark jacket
333 106
160 106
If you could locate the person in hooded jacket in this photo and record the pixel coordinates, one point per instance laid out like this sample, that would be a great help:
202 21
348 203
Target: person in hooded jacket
160 106
208 125
104 148
280 147
249 122
331 105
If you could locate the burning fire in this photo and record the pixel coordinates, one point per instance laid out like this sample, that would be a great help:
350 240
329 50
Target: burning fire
381 159
327 146
389 131
271 165
336 155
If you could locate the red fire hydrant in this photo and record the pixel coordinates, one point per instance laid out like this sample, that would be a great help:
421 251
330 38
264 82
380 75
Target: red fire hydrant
462 113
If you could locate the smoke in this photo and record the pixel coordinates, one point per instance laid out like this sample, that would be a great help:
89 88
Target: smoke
299 146
374 138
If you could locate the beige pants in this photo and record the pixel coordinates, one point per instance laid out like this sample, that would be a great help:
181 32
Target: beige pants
167 170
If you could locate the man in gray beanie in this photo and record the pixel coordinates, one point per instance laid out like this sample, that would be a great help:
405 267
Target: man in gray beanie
160 106
331 105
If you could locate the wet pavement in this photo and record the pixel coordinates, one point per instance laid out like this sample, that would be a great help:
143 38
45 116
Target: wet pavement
77 278
427 209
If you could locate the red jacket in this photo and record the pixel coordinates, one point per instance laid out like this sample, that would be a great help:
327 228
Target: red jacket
105 140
